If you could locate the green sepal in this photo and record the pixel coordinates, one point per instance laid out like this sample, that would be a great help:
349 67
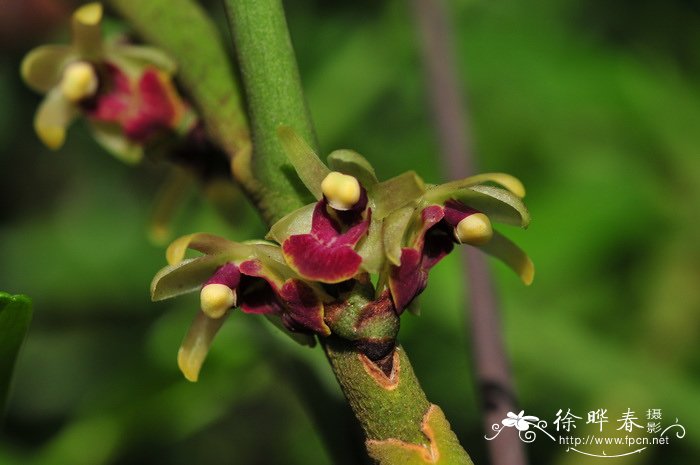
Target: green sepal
15 316
208 244
513 256
500 205
42 68
396 192
87 30
308 166
296 222
141 56
371 248
504 180
111 137
354 164
394 230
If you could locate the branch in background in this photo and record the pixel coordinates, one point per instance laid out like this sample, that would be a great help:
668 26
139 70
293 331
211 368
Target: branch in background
495 384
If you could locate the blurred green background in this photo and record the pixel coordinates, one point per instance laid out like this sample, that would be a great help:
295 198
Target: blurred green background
595 105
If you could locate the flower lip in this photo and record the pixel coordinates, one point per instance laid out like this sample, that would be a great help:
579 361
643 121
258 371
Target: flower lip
342 191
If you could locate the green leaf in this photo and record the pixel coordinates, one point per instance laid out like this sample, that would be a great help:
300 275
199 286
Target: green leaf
15 315
354 164
308 166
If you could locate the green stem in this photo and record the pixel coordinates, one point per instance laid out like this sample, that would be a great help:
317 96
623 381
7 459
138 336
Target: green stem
400 424
275 97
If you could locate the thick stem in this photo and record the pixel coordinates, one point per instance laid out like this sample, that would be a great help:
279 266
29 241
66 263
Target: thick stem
275 98
495 384
400 424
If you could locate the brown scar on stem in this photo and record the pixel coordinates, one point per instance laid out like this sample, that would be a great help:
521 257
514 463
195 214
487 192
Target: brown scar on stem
388 381
430 453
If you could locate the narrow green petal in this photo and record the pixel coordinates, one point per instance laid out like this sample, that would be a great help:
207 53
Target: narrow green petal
505 250
396 192
394 229
206 243
111 137
53 117
354 164
168 202
297 222
144 55
498 204
196 344
87 29
371 249
507 181
308 166
42 68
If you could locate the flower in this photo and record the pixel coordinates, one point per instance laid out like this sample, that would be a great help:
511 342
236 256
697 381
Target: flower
520 421
251 276
124 90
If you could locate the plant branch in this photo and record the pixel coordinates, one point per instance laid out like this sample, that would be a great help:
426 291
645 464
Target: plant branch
495 384
400 424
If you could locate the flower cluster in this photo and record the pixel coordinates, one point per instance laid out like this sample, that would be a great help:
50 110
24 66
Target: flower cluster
125 91
358 229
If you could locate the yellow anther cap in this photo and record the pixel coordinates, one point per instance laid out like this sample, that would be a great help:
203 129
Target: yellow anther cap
475 229
341 191
79 81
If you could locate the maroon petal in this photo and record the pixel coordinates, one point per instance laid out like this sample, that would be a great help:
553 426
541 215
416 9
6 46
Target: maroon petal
228 275
303 309
257 292
316 261
456 211
155 110
408 280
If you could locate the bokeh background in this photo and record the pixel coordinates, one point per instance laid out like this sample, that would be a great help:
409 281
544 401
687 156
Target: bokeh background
595 105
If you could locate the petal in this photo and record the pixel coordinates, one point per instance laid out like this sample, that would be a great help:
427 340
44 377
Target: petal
354 164
297 222
143 56
259 288
408 280
87 29
521 425
393 232
111 137
303 309
510 254
498 204
168 202
208 244
186 276
512 415
53 117
456 212
396 192
156 111
195 346
308 166
507 181
510 422
371 248
317 261
42 68
325 228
